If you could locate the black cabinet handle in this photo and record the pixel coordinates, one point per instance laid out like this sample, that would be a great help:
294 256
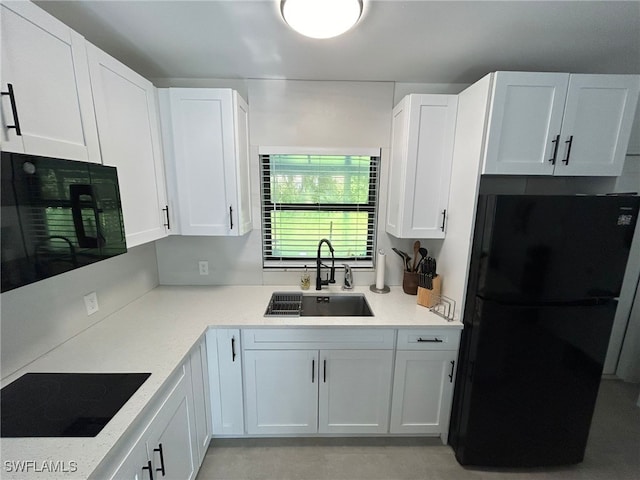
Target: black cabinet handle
168 224
313 370
150 468
324 373
233 349
570 142
453 363
444 216
556 142
230 218
159 450
430 340
14 109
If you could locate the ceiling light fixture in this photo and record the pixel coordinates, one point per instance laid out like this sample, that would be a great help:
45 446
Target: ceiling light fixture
321 18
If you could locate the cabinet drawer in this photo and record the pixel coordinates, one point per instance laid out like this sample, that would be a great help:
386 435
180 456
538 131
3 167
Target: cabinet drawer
317 338
428 339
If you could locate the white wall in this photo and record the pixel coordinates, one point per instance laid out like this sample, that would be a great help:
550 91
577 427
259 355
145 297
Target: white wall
38 317
294 113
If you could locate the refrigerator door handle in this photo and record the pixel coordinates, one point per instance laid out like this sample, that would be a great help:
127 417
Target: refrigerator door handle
472 368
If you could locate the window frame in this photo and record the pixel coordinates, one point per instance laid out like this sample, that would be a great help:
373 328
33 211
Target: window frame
267 205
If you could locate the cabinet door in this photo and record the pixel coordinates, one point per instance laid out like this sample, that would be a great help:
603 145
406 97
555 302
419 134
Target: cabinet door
205 160
397 167
169 444
201 402
281 391
422 389
225 368
525 119
135 466
597 124
242 216
45 63
421 160
129 131
355 387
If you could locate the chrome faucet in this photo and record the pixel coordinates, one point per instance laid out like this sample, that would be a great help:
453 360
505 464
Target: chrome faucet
348 277
319 265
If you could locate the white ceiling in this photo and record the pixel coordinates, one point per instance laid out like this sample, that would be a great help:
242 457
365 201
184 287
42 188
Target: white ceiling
396 40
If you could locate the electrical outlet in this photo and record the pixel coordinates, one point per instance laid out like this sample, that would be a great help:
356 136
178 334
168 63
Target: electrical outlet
203 267
91 303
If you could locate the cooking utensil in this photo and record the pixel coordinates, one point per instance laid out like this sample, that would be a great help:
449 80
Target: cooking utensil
400 254
416 250
423 253
429 268
405 258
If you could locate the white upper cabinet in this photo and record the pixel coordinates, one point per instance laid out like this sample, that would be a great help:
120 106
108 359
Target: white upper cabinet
559 123
420 170
44 66
525 119
596 127
129 132
206 134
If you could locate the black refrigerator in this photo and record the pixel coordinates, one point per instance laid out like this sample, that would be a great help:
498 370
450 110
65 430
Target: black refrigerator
545 274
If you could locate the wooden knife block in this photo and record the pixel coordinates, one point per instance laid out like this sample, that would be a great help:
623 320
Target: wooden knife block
429 298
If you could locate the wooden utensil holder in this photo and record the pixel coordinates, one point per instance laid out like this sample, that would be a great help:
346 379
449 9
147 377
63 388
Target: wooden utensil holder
429 298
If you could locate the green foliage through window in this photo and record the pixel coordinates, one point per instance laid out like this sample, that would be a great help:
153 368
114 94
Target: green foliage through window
309 197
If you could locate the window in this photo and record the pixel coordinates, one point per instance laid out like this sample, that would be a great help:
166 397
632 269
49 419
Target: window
307 197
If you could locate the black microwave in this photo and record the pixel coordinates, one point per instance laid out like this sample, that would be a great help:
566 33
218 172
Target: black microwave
57 215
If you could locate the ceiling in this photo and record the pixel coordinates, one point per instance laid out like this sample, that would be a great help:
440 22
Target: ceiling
396 40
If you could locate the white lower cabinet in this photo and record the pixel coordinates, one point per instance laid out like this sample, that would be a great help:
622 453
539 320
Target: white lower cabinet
165 448
354 391
282 391
225 369
136 466
201 402
422 389
332 381
311 391
169 447
423 381
172 441
328 381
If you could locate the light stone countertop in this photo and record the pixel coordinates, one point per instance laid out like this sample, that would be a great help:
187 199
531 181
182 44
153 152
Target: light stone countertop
155 334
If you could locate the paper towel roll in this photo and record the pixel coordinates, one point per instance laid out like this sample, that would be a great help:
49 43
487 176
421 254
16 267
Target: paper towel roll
380 269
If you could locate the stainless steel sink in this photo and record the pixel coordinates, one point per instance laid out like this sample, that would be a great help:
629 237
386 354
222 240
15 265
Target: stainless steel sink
332 305
347 305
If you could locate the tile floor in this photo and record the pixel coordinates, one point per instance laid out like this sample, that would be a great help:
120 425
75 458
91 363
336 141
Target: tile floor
613 453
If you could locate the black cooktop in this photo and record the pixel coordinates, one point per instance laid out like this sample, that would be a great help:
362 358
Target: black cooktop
64 404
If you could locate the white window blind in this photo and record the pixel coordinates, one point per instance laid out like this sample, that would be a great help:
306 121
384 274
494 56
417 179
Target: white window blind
309 197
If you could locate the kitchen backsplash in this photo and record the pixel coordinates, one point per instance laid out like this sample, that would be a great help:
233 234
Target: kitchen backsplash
37 318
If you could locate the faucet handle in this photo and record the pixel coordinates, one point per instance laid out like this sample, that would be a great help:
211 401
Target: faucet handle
348 277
